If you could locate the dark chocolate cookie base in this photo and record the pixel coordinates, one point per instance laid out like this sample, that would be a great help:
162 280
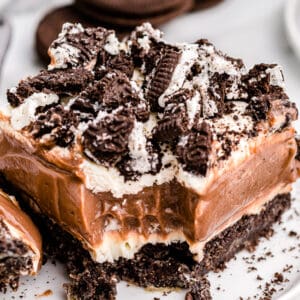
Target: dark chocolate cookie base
158 265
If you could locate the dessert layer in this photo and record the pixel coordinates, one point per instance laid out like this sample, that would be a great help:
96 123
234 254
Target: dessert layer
111 227
158 265
144 112
20 239
142 141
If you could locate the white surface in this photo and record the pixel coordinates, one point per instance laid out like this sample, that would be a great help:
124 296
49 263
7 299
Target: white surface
253 30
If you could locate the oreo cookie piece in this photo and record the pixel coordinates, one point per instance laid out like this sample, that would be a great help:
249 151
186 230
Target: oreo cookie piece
107 141
132 19
51 24
135 7
57 124
62 82
194 151
175 118
162 76
203 4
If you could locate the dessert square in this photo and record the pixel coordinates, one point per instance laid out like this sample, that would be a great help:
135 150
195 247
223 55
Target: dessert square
162 160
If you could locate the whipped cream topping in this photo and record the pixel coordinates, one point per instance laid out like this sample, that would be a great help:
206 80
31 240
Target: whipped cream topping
112 45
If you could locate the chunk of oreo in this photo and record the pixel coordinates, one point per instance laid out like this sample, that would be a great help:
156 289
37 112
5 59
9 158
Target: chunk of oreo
257 82
16 96
107 141
62 82
261 91
68 82
125 168
219 85
58 123
146 47
82 46
112 91
195 152
258 108
87 110
162 76
175 119
107 63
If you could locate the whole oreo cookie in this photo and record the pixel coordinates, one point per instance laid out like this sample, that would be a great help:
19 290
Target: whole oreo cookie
135 7
126 16
51 24
203 4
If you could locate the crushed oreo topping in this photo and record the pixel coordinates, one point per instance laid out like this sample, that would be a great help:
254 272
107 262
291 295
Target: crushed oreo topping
56 122
107 63
175 119
258 108
195 151
143 105
162 76
68 82
77 46
107 141
111 91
